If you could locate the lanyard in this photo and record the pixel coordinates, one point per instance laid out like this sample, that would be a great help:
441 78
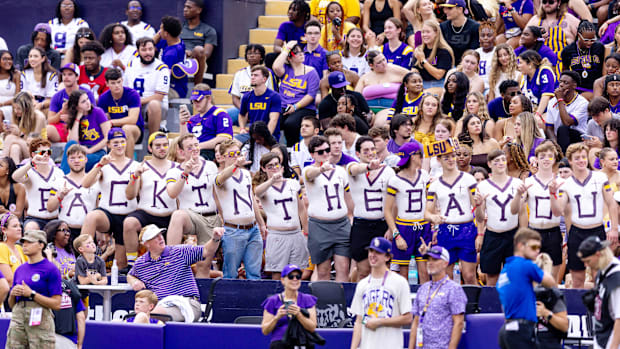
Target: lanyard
430 298
384 277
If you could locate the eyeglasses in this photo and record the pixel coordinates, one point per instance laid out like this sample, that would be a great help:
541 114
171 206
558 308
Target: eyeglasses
323 151
43 152
534 247
135 8
66 231
234 153
66 6
587 40
273 167
515 93
295 276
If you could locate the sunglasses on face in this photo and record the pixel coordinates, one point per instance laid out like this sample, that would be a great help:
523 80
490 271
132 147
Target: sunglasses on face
515 93
294 276
84 35
587 40
323 151
534 247
43 152
234 153
550 2
66 231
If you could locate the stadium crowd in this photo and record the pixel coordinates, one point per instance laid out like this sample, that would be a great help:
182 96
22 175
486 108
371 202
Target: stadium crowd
451 123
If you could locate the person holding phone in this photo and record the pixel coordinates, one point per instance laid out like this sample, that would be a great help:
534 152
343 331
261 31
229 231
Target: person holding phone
281 308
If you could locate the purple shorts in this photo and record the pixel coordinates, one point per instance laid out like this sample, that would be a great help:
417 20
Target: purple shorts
411 232
459 240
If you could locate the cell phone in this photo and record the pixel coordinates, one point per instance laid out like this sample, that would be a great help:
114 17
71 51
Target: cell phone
184 107
287 303
586 137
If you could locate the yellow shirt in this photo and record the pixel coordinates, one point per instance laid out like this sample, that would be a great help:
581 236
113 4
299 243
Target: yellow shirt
7 256
351 8
424 138
328 40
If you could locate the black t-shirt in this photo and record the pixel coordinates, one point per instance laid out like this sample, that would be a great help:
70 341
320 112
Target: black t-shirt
466 38
590 60
442 60
328 108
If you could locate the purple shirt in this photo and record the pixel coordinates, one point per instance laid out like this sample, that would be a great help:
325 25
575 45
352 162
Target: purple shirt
170 274
294 88
345 159
288 31
215 122
544 51
65 259
393 147
535 145
316 59
437 322
118 109
48 282
90 127
271 305
61 96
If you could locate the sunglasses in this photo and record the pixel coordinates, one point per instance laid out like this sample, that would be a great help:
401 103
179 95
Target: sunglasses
534 247
66 231
587 40
234 153
43 152
295 276
550 2
323 151
84 35
515 93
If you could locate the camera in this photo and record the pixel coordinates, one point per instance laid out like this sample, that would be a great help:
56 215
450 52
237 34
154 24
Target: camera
337 21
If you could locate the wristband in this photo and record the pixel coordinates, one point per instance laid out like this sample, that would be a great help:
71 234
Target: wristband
480 234
295 106
395 233
560 100
99 165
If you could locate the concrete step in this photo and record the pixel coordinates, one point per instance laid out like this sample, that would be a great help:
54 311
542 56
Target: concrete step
223 80
263 36
268 49
276 7
235 64
272 22
221 96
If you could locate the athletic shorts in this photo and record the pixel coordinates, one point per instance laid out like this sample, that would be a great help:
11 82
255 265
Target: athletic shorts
61 128
411 231
116 225
551 243
328 238
41 222
176 313
362 232
146 219
459 240
285 247
575 237
496 247
202 226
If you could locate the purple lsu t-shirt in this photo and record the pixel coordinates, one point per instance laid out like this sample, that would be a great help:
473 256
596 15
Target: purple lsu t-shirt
271 305
90 127
61 96
118 109
43 277
294 88
288 32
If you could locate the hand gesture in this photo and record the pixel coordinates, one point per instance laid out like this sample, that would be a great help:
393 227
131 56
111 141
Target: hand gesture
276 178
141 169
326 167
105 160
559 93
241 161
375 164
479 199
523 188
554 186
189 165
424 247
184 115
218 232
64 191
39 159
418 53
289 45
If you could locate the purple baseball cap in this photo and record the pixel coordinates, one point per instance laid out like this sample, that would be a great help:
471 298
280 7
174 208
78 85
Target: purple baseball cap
381 245
454 3
73 67
408 149
43 27
438 252
289 269
116 132
337 80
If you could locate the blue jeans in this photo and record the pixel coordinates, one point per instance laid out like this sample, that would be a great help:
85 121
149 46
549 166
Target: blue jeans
242 137
242 245
92 159
234 115
433 83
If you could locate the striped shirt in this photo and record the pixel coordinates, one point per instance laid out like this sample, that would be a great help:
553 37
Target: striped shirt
171 274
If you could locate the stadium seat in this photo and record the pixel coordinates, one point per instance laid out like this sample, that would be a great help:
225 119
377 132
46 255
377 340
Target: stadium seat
330 294
160 317
473 298
249 320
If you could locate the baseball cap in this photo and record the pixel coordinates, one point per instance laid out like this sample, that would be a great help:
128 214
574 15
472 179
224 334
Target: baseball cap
381 245
408 149
43 27
157 135
454 3
438 252
337 80
34 236
150 232
73 67
116 132
590 246
290 268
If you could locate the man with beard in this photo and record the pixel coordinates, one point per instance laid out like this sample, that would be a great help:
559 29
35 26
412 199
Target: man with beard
148 183
134 22
559 25
151 78
78 200
91 72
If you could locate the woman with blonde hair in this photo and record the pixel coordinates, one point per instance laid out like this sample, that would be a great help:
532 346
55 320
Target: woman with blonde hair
418 12
429 115
527 134
433 58
26 120
469 67
476 104
503 67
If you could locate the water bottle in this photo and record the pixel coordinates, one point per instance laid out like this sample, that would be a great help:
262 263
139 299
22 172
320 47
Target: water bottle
413 272
114 272
456 273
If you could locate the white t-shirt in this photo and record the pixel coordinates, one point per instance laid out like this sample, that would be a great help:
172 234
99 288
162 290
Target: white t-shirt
577 109
242 83
357 64
63 35
381 298
235 196
197 193
369 194
125 56
484 66
38 191
148 79
326 194
499 217
140 30
453 199
31 85
154 198
280 202
586 199
77 203
113 181
300 155
410 196
539 204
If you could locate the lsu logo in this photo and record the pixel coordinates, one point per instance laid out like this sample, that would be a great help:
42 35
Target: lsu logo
297 83
258 106
442 147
